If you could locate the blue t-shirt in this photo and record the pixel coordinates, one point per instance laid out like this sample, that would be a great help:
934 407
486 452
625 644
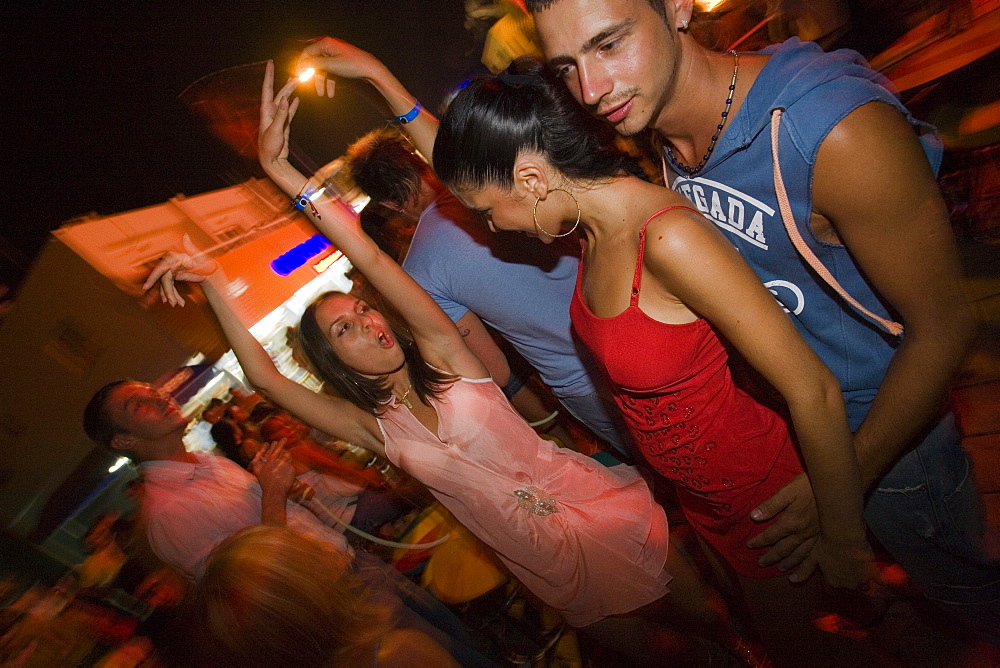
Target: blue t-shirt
516 284
736 191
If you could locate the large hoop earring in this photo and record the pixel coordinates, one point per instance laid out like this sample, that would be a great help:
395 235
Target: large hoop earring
564 234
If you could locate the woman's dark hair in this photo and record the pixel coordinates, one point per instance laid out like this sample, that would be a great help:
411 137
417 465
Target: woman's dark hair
524 108
368 394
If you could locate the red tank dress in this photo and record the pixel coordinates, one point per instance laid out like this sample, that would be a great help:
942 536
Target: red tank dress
725 452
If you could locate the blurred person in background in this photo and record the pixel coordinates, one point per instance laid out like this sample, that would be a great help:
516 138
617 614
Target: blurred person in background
273 597
193 501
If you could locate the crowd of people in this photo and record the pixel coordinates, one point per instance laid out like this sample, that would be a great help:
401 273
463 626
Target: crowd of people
348 485
767 328
116 608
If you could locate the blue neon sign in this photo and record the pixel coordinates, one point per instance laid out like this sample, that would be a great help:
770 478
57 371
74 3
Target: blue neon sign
291 260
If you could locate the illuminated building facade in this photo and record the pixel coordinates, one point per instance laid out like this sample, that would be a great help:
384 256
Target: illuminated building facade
81 320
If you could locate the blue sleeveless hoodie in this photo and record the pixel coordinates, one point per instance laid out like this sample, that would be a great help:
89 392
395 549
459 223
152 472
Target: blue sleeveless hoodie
736 191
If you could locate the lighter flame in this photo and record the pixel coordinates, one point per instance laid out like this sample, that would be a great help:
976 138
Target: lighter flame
709 5
307 75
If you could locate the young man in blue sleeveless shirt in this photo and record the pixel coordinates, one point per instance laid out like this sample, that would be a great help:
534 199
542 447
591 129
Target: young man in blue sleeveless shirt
859 173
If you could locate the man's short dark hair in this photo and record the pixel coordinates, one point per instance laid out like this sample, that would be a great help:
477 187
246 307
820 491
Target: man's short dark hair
383 165
538 5
97 423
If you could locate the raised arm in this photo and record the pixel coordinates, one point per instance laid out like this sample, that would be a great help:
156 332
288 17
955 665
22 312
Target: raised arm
332 415
439 340
329 56
682 249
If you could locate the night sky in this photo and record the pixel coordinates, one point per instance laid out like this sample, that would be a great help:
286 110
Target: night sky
93 119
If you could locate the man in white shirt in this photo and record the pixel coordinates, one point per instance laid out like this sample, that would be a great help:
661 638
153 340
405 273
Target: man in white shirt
194 501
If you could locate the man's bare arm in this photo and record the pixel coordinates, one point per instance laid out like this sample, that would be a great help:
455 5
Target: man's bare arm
874 184
875 189
481 343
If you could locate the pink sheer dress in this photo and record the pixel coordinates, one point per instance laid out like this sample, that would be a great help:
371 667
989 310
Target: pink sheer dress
586 539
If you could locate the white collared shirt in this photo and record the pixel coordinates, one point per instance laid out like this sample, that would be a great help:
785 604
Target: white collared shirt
190 508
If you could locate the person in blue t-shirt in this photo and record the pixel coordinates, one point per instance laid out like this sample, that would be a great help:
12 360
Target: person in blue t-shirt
523 292
519 288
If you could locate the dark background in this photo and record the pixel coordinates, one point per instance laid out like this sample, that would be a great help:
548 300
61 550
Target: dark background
94 123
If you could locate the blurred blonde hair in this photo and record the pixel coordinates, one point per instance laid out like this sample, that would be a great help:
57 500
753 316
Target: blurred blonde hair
271 596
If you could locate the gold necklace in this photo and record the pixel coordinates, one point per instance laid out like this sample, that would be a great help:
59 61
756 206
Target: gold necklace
403 400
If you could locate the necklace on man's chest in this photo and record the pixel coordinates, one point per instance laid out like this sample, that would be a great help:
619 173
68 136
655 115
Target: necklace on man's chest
693 171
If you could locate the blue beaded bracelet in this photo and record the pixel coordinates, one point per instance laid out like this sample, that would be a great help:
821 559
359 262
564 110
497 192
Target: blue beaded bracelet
411 114
302 200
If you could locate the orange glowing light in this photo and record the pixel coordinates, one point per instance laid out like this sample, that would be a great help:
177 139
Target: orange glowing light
307 74
710 5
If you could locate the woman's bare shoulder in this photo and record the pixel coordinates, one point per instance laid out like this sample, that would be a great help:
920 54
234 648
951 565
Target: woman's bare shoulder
652 203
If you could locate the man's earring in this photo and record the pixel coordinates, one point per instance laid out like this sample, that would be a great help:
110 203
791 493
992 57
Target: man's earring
684 26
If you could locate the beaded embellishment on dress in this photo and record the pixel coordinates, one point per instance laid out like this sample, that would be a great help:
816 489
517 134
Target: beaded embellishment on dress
536 501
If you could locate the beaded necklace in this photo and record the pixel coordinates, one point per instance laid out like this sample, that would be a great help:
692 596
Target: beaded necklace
692 171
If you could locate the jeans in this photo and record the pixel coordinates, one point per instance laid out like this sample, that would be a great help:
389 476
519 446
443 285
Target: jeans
415 608
927 513
602 417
